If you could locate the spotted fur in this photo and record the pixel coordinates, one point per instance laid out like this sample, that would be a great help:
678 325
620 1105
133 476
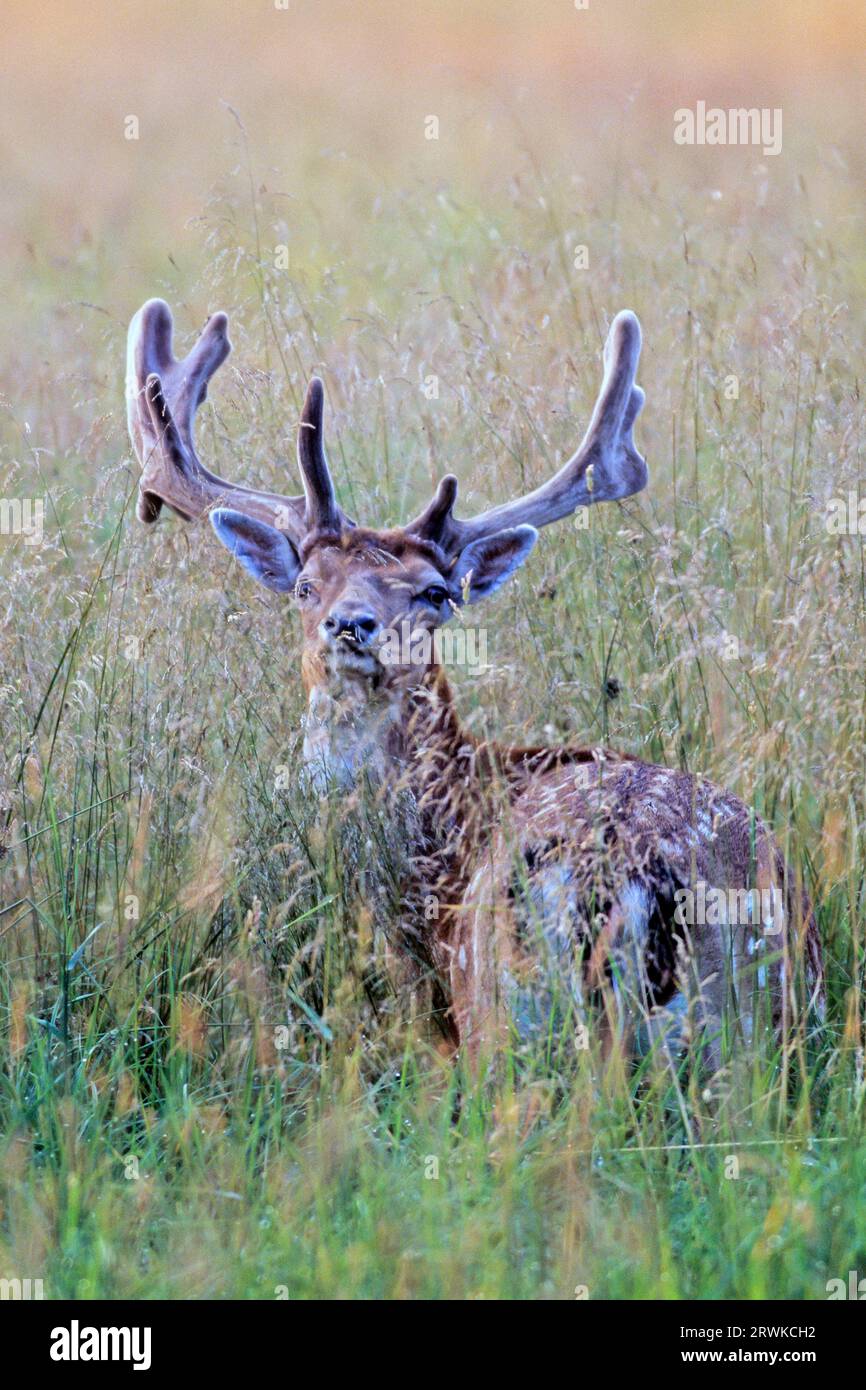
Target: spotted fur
555 871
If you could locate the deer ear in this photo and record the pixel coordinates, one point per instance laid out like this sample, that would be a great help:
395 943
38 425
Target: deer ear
489 562
264 552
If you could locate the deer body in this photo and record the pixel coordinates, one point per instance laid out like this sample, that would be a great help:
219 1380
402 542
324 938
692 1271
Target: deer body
546 869
534 881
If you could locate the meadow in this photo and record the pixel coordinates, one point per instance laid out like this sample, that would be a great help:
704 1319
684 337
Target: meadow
202 1094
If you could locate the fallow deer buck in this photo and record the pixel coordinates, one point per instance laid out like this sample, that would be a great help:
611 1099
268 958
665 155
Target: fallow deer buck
556 871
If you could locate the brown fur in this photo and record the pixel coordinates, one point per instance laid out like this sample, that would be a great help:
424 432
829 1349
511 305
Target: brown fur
609 820
564 860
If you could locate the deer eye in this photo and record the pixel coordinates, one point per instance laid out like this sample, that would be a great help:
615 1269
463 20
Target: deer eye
303 590
435 595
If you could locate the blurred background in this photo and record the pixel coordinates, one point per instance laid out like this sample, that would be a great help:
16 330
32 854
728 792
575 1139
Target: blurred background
333 97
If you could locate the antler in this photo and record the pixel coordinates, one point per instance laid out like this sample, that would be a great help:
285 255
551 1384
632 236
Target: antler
162 396
618 470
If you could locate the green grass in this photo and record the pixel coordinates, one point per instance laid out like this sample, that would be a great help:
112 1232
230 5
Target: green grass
205 1089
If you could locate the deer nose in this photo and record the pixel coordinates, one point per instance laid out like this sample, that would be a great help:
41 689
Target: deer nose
360 627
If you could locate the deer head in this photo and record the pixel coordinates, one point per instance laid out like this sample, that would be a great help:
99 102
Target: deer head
356 587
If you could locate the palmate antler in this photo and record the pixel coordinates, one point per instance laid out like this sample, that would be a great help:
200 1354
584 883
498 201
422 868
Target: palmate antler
164 394
618 470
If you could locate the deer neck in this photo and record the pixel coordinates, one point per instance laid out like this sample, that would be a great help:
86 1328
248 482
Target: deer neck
409 740
351 733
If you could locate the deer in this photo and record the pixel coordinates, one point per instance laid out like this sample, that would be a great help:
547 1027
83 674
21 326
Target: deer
556 873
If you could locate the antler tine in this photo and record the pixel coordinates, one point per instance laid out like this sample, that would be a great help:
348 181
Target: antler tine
618 470
435 517
162 396
322 512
